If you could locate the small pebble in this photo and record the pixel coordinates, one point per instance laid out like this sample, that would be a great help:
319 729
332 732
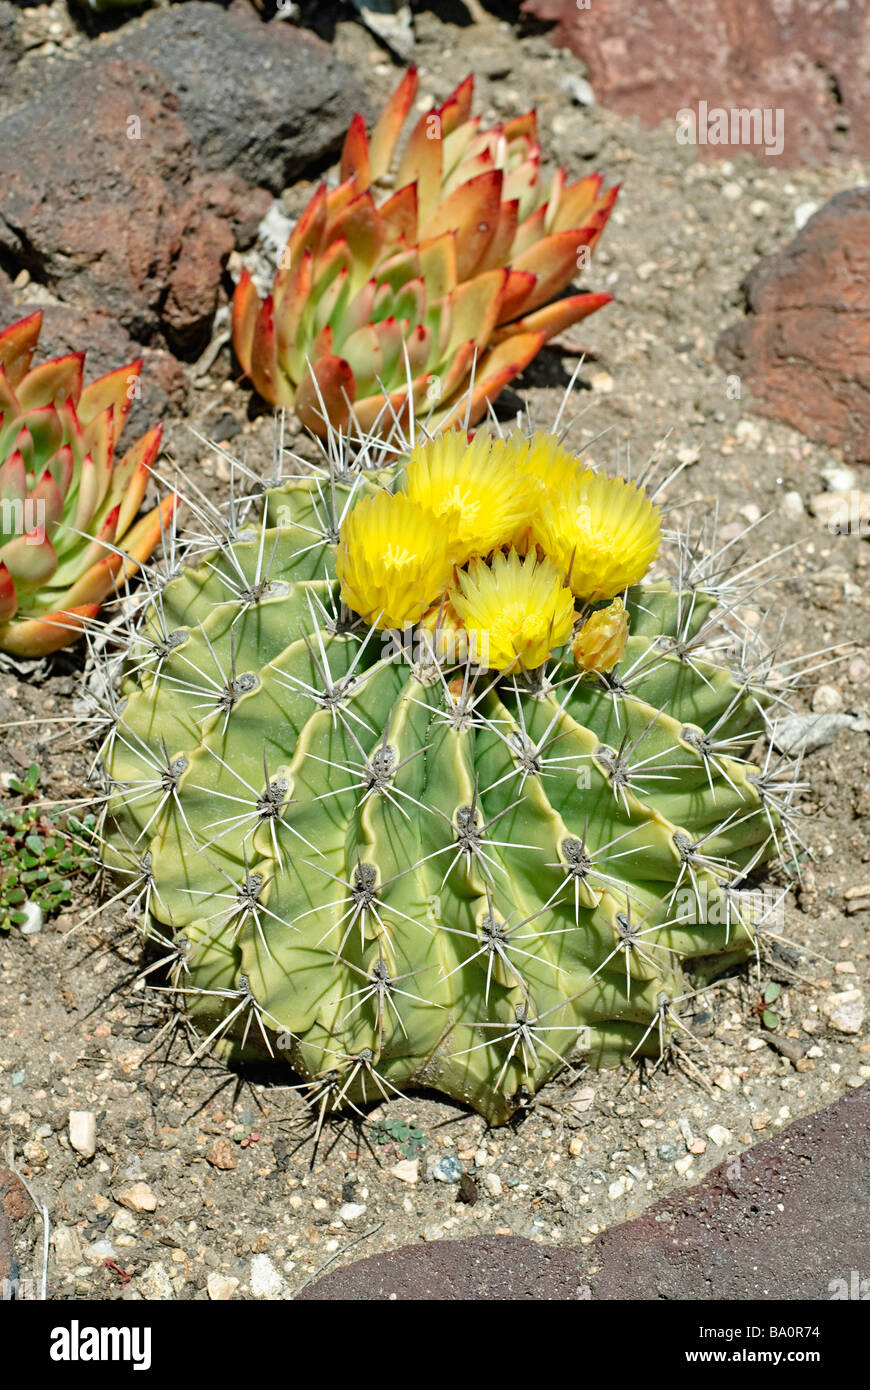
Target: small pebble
719 1135
352 1211
601 381
447 1169
222 1154
67 1246
33 919
844 1012
803 212
100 1250
266 1282
578 89
492 1183
839 478
407 1170
138 1198
83 1132
827 700
221 1287
860 890
859 672
791 504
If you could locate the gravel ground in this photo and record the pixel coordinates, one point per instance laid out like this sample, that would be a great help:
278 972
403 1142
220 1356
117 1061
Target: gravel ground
237 1199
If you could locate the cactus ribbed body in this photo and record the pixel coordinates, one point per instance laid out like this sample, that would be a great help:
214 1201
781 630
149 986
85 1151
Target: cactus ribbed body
391 873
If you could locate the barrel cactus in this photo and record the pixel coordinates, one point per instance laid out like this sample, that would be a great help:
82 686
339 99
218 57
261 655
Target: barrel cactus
418 276
69 534
423 783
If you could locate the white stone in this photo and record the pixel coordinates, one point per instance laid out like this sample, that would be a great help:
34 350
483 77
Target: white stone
601 381
83 1132
803 212
32 924
407 1170
844 1012
156 1285
492 1183
839 478
827 699
99 1251
67 1246
266 1282
791 504
352 1211
719 1135
221 1287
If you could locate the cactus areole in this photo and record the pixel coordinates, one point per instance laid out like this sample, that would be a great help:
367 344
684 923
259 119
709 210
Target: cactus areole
393 828
423 275
69 536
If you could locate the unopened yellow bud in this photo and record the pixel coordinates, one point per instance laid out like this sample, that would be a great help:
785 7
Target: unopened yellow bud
600 643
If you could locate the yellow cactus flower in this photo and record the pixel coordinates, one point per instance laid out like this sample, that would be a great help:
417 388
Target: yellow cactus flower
602 534
474 490
549 469
516 611
391 561
600 643
442 634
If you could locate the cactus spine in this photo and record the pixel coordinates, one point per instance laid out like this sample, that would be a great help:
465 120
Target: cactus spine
390 870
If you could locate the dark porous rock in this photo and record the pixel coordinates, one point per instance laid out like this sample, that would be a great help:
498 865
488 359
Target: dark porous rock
653 58
263 100
803 349
99 206
485 1267
10 50
788 1219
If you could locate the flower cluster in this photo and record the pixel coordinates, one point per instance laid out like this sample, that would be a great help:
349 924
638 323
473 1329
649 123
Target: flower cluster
501 538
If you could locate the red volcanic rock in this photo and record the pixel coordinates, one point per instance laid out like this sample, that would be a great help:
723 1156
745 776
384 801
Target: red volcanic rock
803 349
653 58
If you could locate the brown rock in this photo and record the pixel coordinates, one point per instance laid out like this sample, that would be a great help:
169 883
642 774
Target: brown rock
14 1198
106 220
786 1220
652 58
138 1197
222 1154
10 50
15 1206
803 349
487 1267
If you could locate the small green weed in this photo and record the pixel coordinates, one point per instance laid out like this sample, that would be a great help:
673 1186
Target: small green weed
41 852
403 1139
